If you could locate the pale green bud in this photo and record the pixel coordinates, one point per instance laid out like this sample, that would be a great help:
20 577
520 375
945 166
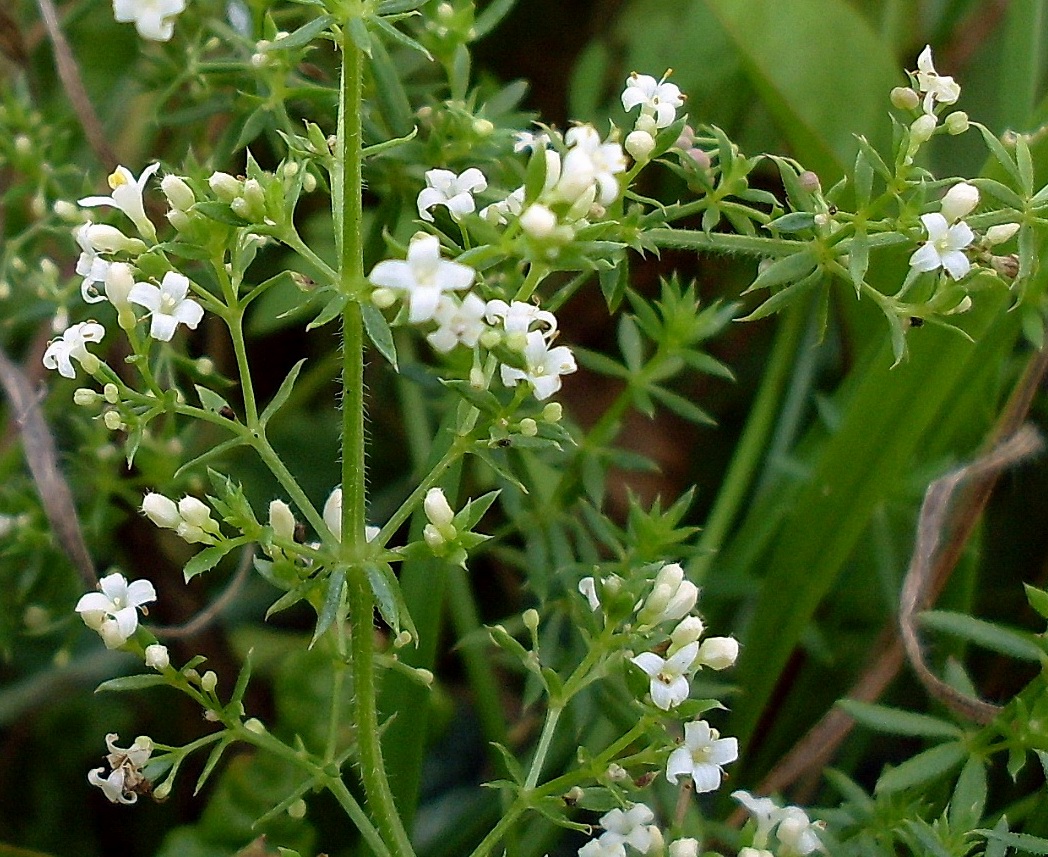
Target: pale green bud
209 681
528 427
111 393
957 122
553 412
85 398
112 420
904 98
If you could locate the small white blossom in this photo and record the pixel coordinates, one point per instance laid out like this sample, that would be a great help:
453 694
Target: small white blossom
631 827
113 612
796 832
944 246
60 353
959 201
765 812
443 187
718 653
154 19
702 756
656 98
90 265
528 141
669 682
499 212
538 221
938 89
157 657
588 589
600 848
127 196
544 366
169 305
457 322
518 317
588 170
423 276
126 776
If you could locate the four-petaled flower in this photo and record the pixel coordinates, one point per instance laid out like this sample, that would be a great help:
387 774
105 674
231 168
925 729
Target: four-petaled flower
518 316
589 167
113 612
544 366
669 676
944 246
423 276
73 344
938 88
632 827
127 196
91 266
656 98
797 832
702 756
126 765
167 304
154 19
458 322
443 187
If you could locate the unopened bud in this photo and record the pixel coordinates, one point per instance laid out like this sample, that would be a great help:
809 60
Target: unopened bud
437 508
402 639
157 657
477 380
531 619
700 157
111 393
957 122
904 98
179 194
85 398
1001 233
112 420
483 127
684 848
718 653
639 144
161 510
383 298
309 183
209 681
553 412
225 187
1007 266
809 181
528 427
959 201
425 676
538 221
922 129
66 210
255 725
282 519
297 810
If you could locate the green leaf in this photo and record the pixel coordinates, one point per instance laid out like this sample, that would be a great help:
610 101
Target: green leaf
303 35
1038 599
130 682
283 393
795 221
997 149
220 212
211 400
969 795
241 686
332 599
212 763
208 558
682 407
996 638
359 35
895 721
490 18
513 768
400 38
784 297
379 333
789 269
921 768
214 452
1019 841
332 310
630 343
389 598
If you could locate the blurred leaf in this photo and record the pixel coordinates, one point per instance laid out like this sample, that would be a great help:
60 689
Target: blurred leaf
921 768
897 722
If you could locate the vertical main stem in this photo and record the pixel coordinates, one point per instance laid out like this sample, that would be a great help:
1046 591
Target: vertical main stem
348 217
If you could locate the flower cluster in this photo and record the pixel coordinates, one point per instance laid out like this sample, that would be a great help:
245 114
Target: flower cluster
632 826
126 780
658 101
190 518
796 833
923 98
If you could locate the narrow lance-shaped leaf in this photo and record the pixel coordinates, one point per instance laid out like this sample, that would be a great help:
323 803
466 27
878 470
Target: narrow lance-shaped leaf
283 393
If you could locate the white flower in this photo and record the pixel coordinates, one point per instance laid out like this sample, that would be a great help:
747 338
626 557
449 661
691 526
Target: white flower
590 164
518 317
154 19
127 195
113 612
90 265
671 598
588 589
959 201
669 682
526 140
423 276
632 827
796 832
157 657
544 366
120 786
718 653
600 848
763 810
686 847
656 98
943 247
168 304
73 345
457 322
938 89
499 212
701 757
443 187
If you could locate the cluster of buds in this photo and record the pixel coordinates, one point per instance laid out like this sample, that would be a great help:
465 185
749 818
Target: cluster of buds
190 518
928 93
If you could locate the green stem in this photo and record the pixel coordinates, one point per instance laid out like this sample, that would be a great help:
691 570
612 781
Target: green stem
236 333
545 739
723 242
752 444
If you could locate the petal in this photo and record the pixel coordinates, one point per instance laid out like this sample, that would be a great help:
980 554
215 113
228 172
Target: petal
454 276
649 662
393 274
935 225
679 764
924 61
959 236
510 376
925 258
114 586
189 313
428 198
697 734
93 602
724 750
145 295
472 181
162 327
92 201
461 205
140 592
956 264
443 339
423 302
706 777
126 620
544 386
683 659
175 286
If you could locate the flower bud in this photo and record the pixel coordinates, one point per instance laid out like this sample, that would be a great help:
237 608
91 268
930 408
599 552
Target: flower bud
297 810
922 129
904 98
528 427
809 181
553 412
700 157
333 513
66 210
960 201
957 122
645 124
179 194
588 589
161 511
163 791
383 298
118 284
85 398
477 380
718 653
402 639
755 852
309 183
530 617
437 509
432 537
225 187
282 519
538 221
112 420
255 196
196 513
104 238
639 144
483 127
209 681
1001 233
684 848
687 631
1006 266
255 725
157 657
616 773
111 393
